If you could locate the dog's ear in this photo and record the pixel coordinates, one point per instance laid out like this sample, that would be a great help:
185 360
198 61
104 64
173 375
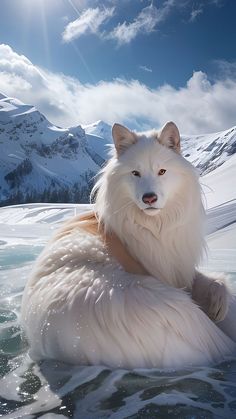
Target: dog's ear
170 137
123 138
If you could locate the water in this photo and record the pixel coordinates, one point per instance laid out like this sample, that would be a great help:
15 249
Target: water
56 390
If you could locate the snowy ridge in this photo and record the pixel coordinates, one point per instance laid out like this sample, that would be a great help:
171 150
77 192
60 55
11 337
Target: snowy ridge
100 129
207 152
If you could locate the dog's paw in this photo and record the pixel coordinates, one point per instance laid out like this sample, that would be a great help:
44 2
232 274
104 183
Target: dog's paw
217 300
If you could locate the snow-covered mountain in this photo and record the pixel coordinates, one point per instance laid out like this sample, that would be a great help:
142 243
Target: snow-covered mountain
207 152
42 162
100 129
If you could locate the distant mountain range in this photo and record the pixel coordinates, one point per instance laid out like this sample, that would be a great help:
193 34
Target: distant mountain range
40 162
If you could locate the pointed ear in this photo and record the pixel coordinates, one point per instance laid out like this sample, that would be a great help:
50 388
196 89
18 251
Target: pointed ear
170 137
123 138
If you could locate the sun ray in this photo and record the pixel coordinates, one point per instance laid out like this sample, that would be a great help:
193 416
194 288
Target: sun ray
78 12
45 34
74 7
92 77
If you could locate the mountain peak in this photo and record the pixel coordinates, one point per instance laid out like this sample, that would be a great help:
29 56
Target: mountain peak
100 129
2 96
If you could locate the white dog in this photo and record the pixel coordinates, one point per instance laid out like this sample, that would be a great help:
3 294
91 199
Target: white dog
120 290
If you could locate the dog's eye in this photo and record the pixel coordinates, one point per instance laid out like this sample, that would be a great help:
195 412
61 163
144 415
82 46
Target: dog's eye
161 172
136 173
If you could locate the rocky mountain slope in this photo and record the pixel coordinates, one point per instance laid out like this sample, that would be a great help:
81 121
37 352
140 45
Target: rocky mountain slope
207 152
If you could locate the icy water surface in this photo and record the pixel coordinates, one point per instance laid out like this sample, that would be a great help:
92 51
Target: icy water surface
56 390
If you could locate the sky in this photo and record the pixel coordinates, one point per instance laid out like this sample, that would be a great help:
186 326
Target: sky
136 62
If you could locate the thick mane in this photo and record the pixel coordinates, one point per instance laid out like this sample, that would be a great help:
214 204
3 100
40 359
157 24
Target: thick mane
168 245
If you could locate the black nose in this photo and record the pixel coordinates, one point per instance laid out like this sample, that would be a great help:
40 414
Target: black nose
149 198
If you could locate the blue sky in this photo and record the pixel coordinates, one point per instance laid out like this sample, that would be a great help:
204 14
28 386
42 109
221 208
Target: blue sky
81 60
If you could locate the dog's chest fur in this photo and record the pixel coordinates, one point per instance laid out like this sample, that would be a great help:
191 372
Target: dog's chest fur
170 255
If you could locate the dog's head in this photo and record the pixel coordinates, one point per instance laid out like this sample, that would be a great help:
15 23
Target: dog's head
150 165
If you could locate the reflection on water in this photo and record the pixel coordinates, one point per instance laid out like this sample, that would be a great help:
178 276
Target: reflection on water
51 389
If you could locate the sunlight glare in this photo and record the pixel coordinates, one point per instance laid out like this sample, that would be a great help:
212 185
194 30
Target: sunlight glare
48 5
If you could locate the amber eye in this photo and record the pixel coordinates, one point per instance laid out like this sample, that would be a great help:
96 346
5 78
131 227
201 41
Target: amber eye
161 172
136 173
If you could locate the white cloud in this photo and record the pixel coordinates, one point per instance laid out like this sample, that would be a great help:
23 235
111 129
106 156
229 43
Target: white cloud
218 3
145 22
226 69
145 68
200 106
89 21
195 13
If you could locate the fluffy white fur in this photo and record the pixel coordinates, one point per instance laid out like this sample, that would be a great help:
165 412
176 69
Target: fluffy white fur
80 305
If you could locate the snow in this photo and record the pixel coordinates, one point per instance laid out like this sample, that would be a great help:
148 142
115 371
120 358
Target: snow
100 129
221 183
220 195
11 107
